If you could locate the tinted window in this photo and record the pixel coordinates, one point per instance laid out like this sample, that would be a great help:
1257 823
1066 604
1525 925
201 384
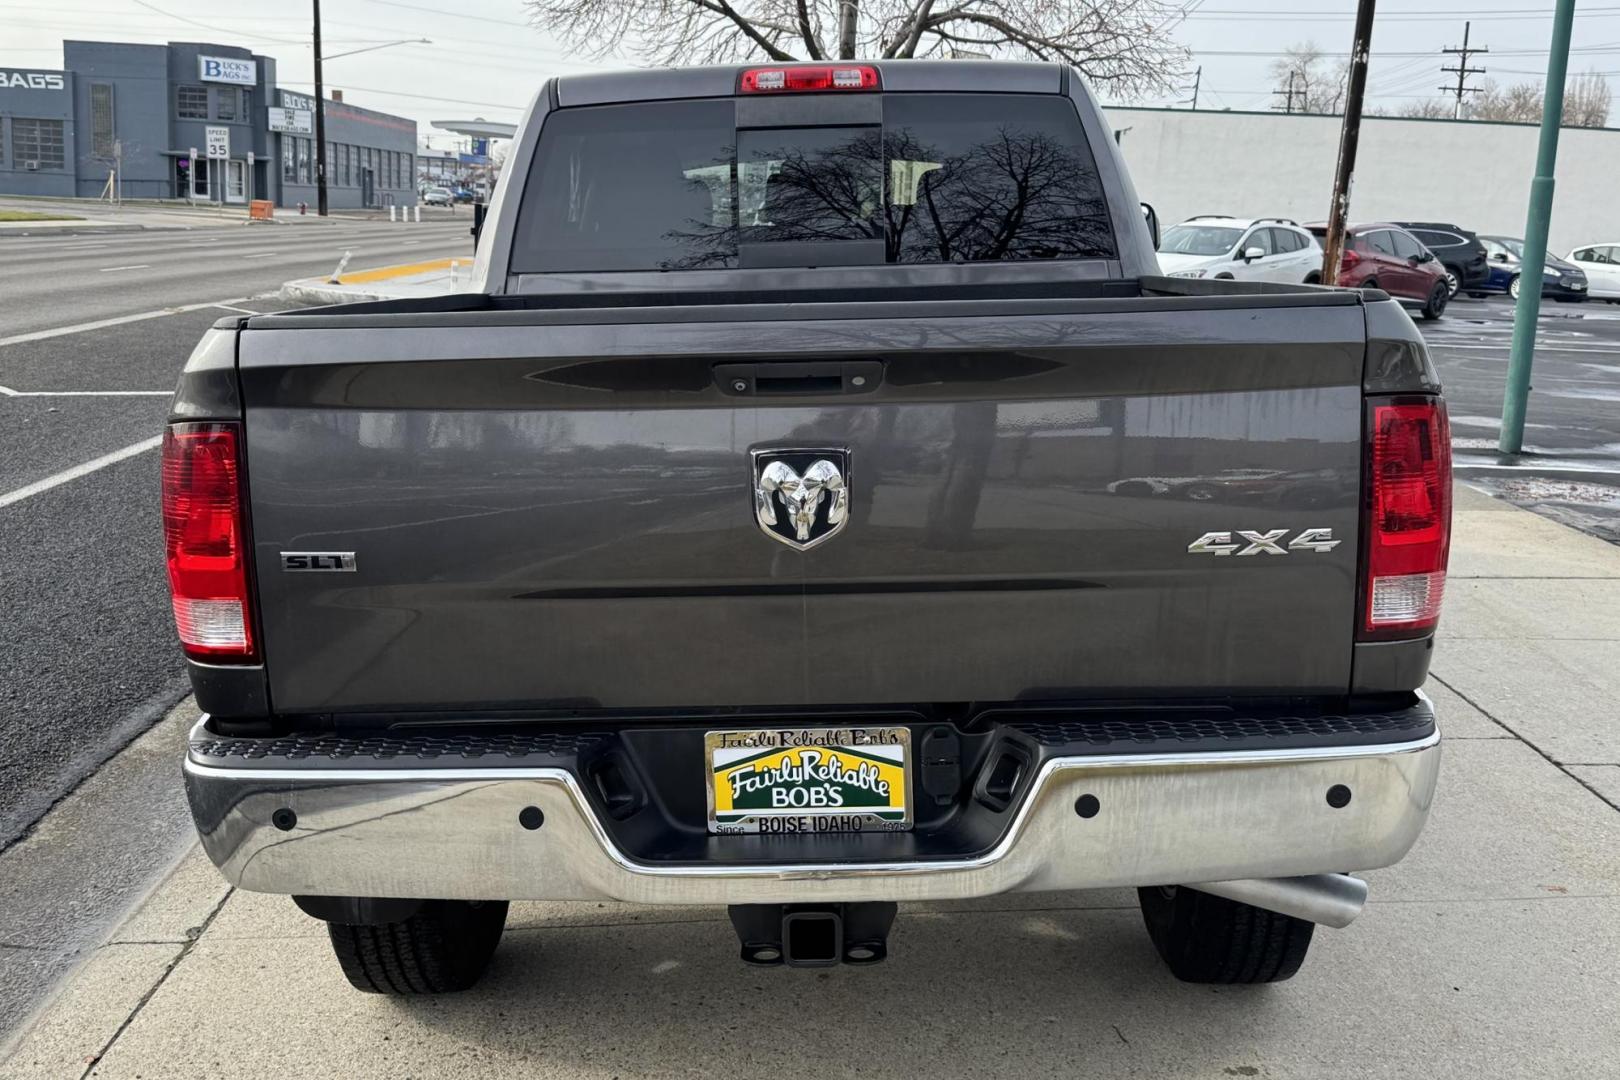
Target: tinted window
630 187
1432 239
948 178
810 184
1259 238
1405 246
1282 241
1199 240
1380 242
977 177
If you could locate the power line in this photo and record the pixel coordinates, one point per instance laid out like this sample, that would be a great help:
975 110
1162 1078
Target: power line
1462 71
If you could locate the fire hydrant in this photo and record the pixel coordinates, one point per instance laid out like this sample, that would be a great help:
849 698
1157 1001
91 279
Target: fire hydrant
303 208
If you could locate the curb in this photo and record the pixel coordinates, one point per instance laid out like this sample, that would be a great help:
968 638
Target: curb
22 228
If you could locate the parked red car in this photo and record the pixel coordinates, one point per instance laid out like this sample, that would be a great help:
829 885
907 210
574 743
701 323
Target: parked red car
1387 257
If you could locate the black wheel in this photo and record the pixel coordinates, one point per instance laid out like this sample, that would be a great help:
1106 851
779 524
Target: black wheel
1513 286
1209 939
1453 281
1438 300
1313 278
444 947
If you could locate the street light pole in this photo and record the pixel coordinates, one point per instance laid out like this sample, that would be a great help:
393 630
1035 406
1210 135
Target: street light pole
320 121
1349 139
1534 258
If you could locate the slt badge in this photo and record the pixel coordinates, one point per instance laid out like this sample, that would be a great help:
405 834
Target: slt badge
801 496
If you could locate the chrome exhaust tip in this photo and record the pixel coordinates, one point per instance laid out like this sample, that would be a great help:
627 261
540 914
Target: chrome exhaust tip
1326 899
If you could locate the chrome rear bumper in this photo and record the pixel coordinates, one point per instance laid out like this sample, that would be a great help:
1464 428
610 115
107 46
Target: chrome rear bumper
1162 818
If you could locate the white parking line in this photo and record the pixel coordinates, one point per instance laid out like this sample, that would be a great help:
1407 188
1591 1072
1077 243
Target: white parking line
260 255
79 328
77 471
242 310
111 269
9 392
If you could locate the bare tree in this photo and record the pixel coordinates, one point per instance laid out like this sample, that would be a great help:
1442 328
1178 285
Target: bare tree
1123 43
1431 109
1319 84
1586 102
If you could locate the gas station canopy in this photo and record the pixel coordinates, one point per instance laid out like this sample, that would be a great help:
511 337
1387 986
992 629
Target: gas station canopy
478 129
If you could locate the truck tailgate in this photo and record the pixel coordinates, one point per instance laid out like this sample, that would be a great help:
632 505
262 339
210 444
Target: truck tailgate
555 508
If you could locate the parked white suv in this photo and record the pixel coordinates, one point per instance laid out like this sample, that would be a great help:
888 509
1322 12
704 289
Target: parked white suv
1259 249
1601 262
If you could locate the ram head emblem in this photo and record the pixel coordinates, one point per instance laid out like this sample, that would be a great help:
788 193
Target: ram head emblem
801 497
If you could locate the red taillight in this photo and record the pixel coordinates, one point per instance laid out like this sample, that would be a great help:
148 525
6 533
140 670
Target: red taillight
1349 258
808 79
1409 525
206 542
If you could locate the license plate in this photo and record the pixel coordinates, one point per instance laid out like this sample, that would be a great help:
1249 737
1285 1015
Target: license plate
809 780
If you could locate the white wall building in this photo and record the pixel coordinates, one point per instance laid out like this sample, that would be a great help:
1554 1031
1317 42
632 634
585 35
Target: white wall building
1471 173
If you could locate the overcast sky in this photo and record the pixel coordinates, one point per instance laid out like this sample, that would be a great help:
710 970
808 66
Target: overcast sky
485 60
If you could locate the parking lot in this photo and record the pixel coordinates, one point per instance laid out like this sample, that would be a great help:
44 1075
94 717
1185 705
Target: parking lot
1490 951
1571 471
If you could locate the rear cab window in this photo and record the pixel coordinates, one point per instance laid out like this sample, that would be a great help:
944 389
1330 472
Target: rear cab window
944 178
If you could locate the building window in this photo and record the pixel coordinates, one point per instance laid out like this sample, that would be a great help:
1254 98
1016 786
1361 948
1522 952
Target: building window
191 102
289 159
348 165
225 102
303 161
101 120
36 140
410 171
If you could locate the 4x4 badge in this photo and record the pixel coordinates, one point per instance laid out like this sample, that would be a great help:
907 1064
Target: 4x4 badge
801 495
1251 542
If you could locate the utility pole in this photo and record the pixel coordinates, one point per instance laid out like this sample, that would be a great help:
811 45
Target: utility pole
1289 93
1463 71
1349 138
1198 78
1534 257
320 121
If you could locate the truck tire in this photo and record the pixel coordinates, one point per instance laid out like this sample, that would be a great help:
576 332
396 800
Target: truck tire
442 948
1210 939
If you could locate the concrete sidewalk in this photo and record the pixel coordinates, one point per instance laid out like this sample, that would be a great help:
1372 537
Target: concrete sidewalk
1492 950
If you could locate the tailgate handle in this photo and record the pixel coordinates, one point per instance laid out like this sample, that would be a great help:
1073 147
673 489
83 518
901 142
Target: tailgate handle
776 379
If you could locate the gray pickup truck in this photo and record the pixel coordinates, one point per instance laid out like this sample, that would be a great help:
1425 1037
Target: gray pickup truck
820 502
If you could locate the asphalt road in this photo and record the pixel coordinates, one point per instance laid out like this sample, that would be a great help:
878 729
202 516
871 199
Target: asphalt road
49 281
1571 468
87 656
